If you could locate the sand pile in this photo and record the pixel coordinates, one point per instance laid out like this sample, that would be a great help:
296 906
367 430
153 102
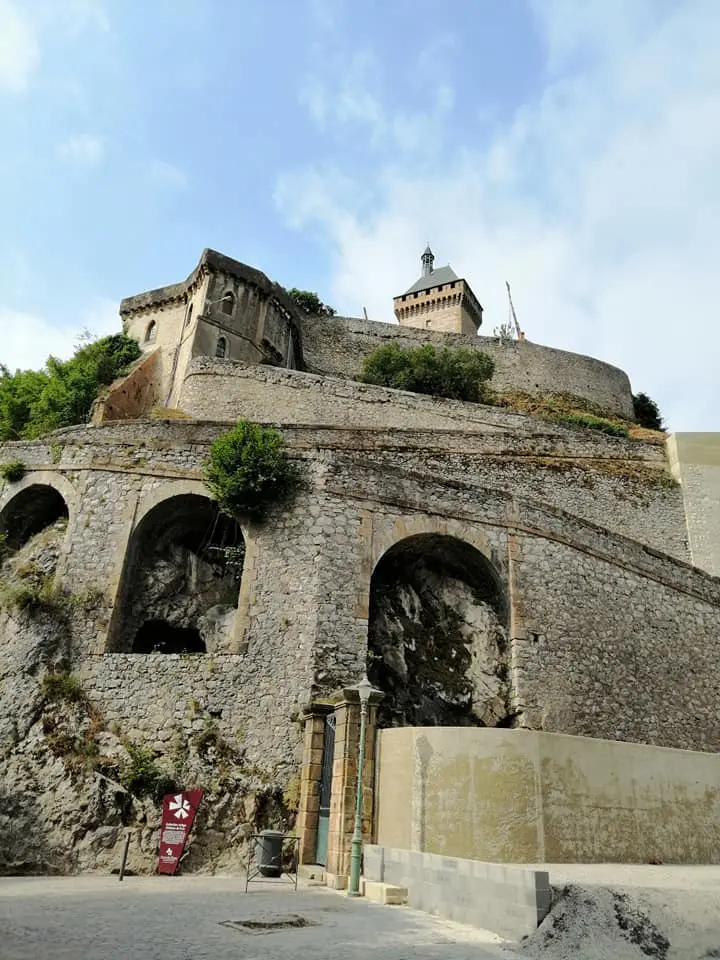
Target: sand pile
596 922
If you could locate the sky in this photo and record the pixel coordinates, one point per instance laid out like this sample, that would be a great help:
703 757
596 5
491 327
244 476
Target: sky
570 147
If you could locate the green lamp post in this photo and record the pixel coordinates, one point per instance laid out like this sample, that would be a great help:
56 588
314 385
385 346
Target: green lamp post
364 689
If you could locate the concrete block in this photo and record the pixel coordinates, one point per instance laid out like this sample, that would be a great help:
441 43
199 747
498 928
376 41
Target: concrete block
385 893
336 881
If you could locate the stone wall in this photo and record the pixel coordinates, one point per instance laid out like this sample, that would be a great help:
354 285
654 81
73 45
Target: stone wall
619 483
133 395
695 463
608 637
526 797
336 346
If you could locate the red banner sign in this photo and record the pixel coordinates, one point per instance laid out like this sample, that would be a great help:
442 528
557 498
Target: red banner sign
178 814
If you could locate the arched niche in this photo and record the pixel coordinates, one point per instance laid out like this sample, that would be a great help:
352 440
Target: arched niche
33 509
437 634
181 579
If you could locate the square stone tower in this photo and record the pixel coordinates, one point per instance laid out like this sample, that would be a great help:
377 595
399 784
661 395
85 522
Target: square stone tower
439 300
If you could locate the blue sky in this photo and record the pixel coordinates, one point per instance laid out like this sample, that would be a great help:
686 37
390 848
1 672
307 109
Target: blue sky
569 146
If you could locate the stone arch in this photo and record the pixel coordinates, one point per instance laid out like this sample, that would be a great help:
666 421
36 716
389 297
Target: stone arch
437 633
180 584
39 500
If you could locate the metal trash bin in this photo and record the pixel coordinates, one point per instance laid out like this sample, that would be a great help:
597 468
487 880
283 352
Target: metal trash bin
269 853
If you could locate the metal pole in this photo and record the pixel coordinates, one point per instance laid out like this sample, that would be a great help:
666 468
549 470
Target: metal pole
356 849
124 856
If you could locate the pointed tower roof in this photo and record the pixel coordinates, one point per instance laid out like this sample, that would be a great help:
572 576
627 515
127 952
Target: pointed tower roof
433 279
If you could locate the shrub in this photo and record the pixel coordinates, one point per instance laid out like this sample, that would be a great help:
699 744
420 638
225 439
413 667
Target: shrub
592 423
13 471
647 412
141 777
455 372
62 687
248 470
310 303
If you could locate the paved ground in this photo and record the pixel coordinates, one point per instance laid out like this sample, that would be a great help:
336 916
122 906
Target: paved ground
180 918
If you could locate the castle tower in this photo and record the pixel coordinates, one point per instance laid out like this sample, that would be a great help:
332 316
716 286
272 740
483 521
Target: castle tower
439 300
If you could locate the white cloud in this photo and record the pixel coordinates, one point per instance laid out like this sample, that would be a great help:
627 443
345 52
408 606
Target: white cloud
25 25
19 48
599 201
84 150
28 340
167 175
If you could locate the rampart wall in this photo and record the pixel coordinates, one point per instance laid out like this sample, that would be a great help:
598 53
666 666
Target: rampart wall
337 346
616 482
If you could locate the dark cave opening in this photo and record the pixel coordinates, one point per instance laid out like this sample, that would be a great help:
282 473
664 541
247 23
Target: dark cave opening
159 636
437 643
33 510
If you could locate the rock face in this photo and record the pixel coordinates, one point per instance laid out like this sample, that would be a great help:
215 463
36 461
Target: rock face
437 639
73 785
179 588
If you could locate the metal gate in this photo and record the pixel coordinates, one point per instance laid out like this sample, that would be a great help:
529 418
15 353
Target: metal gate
325 791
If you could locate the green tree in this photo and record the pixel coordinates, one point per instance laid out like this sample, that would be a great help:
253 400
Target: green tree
35 402
248 470
647 412
310 303
456 372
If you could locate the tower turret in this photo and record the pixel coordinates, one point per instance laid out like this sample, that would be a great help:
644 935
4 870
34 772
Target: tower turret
439 300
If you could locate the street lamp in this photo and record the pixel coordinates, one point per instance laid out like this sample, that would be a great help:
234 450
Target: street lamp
364 689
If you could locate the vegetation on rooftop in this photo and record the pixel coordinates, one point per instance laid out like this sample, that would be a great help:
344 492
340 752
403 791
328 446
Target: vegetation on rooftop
458 373
36 402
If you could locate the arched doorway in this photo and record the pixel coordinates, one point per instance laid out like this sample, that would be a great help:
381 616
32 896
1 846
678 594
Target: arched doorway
437 637
37 507
181 579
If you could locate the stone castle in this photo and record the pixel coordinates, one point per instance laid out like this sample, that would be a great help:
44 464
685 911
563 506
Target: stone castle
490 567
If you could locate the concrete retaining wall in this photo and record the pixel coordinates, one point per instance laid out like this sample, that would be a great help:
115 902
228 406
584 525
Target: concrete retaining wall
521 796
509 901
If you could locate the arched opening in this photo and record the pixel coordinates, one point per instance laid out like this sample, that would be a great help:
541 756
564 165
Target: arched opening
221 348
33 510
437 639
188 315
228 303
181 579
151 331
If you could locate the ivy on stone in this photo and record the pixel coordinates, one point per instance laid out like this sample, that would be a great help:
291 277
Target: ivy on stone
248 471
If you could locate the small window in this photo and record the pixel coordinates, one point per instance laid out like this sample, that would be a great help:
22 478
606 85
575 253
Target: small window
221 348
228 304
188 317
452 285
150 332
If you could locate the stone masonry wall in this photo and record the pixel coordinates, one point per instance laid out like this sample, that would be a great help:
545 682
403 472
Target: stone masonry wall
610 637
336 346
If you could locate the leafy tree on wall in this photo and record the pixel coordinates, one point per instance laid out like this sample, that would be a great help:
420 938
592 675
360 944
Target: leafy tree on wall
248 470
456 372
310 303
647 412
35 402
